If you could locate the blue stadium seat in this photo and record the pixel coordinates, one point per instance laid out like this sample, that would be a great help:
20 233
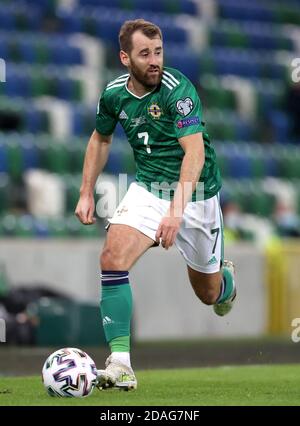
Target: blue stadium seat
239 165
271 164
188 7
114 162
27 50
108 32
64 88
156 6
41 228
243 131
243 62
184 59
3 158
237 10
34 120
104 3
108 23
18 83
280 125
64 54
30 154
77 120
70 23
3 46
7 20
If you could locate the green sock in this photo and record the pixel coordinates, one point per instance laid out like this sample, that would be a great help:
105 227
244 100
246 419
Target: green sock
226 286
120 344
116 309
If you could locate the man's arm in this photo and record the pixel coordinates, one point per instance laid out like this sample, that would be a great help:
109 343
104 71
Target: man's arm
190 172
95 159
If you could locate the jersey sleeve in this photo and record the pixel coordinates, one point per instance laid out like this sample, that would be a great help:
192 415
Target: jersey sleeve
106 121
185 109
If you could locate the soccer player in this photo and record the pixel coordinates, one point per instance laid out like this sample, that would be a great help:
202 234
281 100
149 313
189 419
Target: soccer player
175 199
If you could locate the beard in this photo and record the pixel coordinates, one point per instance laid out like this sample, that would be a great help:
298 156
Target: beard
147 79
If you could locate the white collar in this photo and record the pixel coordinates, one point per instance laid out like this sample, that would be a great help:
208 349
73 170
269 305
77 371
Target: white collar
138 97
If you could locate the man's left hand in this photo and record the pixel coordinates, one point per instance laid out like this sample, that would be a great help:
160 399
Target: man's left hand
167 230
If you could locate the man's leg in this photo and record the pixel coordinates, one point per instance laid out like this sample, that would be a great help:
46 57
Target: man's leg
206 286
200 242
216 289
124 245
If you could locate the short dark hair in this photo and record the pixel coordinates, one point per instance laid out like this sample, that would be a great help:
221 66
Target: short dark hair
149 29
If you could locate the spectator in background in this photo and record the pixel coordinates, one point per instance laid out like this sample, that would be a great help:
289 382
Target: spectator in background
241 226
233 218
286 220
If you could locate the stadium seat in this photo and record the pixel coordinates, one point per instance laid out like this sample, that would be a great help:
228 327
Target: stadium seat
57 158
183 59
214 95
25 227
41 229
35 121
15 161
57 227
114 162
241 59
8 225
26 50
239 165
72 185
253 35
75 152
7 19
5 192
236 10
289 163
3 158
280 124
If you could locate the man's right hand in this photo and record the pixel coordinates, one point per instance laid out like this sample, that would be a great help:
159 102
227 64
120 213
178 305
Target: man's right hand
85 209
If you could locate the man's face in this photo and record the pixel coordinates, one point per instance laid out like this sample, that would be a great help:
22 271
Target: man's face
145 61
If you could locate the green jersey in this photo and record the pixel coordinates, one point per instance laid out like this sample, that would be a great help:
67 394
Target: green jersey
153 123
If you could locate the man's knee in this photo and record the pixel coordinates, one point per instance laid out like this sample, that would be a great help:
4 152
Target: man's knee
110 260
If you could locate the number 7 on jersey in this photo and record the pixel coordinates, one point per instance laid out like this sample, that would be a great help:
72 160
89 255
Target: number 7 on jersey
145 135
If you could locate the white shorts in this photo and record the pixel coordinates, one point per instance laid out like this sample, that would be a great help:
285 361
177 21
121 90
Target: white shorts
200 237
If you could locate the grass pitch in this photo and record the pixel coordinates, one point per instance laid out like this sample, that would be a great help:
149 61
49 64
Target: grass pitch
251 385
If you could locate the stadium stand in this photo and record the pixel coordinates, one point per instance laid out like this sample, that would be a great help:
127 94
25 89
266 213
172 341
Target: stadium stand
59 55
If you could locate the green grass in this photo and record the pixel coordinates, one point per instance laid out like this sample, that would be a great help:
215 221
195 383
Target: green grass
254 385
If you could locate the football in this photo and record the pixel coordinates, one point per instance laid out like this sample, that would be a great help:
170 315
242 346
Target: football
69 372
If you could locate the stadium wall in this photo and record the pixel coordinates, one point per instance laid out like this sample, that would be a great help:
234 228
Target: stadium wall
165 305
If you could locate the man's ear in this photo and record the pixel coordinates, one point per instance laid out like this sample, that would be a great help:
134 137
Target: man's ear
124 58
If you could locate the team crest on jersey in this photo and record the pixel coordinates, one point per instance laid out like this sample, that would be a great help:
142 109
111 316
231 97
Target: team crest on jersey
155 111
184 106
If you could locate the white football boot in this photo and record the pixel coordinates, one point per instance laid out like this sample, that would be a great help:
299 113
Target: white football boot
116 375
224 308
